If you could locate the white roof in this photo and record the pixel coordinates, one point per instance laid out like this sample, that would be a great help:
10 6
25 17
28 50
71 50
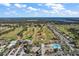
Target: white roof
12 43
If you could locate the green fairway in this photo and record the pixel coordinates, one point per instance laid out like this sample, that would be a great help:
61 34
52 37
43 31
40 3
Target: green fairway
38 34
12 34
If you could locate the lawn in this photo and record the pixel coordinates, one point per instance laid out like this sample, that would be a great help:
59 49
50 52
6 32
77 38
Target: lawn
36 34
12 34
27 34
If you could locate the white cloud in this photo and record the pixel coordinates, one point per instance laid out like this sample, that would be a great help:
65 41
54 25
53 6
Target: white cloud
58 7
39 4
48 11
45 11
61 10
48 4
20 5
10 12
69 12
55 6
24 6
6 4
32 9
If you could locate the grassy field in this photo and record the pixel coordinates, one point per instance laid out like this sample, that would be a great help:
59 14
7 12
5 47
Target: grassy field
28 33
12 34
38 34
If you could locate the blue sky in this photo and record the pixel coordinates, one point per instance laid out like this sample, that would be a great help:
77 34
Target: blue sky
39 10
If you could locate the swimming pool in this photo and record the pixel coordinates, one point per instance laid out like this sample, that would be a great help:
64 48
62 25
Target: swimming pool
56 46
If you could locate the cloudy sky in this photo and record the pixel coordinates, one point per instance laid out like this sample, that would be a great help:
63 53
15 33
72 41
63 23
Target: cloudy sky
39 10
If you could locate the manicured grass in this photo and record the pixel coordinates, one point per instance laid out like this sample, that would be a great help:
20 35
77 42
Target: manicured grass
28 33
37 33
12 34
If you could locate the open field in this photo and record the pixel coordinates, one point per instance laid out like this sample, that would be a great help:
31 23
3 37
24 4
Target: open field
11 35
37 33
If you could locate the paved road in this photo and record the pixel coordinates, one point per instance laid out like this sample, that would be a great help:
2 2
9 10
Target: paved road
15 51
61 37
